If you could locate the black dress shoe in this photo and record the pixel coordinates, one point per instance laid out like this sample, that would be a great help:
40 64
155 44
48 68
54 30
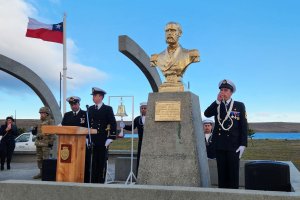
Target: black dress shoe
2 167
8 167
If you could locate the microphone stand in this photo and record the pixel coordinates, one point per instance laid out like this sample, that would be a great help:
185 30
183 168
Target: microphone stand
90 145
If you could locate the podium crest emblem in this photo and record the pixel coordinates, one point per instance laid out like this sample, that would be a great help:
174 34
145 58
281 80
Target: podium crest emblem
65 153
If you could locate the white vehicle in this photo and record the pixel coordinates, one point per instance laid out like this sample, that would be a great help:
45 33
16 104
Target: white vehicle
25 143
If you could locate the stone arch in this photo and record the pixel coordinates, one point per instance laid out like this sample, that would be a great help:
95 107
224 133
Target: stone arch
136 54
31 79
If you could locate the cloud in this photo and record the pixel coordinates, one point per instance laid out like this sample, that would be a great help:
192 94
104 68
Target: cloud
44 58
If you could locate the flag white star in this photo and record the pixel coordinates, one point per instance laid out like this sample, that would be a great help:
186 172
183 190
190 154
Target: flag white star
58 26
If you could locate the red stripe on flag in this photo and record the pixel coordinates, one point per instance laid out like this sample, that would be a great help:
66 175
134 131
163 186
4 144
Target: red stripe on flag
45 34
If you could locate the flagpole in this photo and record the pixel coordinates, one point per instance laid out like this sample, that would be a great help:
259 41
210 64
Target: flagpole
64 64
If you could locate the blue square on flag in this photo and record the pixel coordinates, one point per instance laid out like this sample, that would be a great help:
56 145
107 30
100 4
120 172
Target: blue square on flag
57 27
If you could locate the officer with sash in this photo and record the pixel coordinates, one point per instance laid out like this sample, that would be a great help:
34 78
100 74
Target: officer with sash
229 134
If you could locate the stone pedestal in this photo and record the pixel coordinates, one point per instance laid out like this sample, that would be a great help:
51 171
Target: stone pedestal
171 87
174 152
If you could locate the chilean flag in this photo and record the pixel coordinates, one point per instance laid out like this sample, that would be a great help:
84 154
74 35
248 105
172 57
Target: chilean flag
47 32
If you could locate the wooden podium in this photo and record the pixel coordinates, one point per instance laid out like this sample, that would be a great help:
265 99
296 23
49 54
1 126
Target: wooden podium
70 152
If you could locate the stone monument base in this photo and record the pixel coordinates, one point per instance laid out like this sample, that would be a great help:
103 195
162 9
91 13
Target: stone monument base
171 87
173 151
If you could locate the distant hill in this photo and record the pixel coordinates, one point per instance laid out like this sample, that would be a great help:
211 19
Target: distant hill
257 127
24 123
275 127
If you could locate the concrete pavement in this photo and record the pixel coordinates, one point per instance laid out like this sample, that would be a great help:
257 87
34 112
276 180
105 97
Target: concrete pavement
26 170
15 183
24 166
19 171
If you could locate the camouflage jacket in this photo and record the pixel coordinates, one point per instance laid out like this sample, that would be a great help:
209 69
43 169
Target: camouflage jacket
41 139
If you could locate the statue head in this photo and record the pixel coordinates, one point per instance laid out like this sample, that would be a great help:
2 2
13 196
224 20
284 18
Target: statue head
173 32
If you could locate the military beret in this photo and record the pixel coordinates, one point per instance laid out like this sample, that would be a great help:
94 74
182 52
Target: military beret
96 90
207 121
73 100
143 104
227 84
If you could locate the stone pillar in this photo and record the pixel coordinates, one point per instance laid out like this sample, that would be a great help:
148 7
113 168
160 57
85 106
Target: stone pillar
174 152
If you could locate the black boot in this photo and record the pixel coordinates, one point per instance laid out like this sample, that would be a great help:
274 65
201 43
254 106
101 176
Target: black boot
2 167
8 166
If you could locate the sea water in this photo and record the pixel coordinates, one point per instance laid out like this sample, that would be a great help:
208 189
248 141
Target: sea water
278 136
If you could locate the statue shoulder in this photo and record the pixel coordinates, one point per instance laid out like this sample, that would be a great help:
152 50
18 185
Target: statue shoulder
153 60
194 52
194 55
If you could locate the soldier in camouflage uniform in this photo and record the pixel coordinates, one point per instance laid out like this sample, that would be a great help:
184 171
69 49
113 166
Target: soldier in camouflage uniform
43 143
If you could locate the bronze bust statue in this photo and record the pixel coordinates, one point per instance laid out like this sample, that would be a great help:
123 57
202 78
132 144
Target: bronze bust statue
174 60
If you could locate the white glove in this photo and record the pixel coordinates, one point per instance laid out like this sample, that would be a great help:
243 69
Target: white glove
241 149
107 143
122 124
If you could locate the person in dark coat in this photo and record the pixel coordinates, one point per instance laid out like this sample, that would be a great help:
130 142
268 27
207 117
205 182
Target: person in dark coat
229 134
210 147
101 117
76 117
9 132
138 123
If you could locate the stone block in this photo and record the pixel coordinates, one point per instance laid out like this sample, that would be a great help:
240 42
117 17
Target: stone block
122 168
174 152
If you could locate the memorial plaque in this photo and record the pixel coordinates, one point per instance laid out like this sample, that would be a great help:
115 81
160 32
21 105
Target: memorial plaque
167 110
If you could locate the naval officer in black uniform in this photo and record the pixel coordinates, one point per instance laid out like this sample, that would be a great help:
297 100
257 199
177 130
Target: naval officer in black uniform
138 123
76 117
101 117
229 134
210 147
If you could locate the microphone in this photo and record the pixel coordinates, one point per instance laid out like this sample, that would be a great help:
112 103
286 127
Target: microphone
90 145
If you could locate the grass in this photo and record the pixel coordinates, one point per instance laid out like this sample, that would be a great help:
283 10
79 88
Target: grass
280 150
123 144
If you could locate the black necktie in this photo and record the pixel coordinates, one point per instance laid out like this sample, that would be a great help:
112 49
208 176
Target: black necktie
74 113
96 106
223 111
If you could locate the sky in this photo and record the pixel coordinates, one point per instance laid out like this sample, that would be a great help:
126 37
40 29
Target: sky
256 44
